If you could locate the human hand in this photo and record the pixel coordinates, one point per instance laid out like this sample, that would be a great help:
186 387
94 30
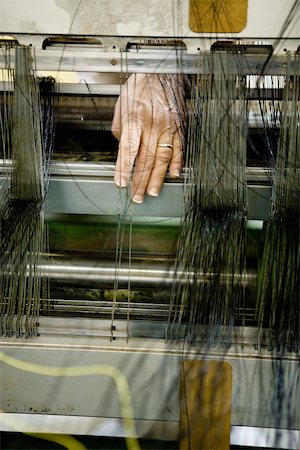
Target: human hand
149 122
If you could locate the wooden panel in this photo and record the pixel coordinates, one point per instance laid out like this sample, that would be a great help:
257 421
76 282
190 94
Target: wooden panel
205 405
218 16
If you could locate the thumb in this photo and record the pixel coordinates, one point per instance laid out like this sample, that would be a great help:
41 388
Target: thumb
116 127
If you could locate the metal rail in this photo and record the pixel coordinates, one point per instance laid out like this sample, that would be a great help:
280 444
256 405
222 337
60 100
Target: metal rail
85 273
84 188
157 60
88 188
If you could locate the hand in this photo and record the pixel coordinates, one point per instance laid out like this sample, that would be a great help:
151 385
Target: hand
149 122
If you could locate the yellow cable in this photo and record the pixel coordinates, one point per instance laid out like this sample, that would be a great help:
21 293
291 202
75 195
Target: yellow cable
69 442
120 380
66 441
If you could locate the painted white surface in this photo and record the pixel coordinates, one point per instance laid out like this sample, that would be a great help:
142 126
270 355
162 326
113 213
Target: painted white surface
97 426
33 16
133 17
151 368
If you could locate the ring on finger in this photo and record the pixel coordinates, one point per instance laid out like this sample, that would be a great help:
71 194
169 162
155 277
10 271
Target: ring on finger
165 145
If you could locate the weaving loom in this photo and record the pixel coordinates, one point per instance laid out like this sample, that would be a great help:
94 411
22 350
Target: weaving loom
98 280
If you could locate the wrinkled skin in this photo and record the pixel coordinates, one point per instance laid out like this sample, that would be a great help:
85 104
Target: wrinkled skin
145 117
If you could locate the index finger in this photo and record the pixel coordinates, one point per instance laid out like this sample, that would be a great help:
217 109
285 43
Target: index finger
116 128
128 149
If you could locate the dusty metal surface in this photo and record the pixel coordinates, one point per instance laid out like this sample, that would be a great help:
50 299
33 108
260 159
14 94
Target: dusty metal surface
75 189
147 365
32 21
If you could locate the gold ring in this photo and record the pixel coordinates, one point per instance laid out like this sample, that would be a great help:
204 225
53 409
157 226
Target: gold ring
165 145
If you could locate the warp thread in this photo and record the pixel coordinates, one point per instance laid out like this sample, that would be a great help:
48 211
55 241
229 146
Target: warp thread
211 251
27 142
278 301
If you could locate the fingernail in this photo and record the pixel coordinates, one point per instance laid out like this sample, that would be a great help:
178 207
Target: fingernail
177 173
121 183
153 192
138 199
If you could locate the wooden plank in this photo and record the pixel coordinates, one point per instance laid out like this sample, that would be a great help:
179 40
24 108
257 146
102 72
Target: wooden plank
214 16
205 405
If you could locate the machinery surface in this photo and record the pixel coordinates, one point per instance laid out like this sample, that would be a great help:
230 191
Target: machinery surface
90 49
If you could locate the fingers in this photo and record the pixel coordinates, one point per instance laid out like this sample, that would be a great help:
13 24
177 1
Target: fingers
163 156
145 162
152 158
152 164
166 157
128 149
176 162
148 130
116 127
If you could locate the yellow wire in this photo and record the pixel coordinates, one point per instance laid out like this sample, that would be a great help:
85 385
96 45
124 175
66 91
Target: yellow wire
66 441
120 380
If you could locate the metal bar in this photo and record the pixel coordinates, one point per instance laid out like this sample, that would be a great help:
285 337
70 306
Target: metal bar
106 170
67 272
156 61
88 188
